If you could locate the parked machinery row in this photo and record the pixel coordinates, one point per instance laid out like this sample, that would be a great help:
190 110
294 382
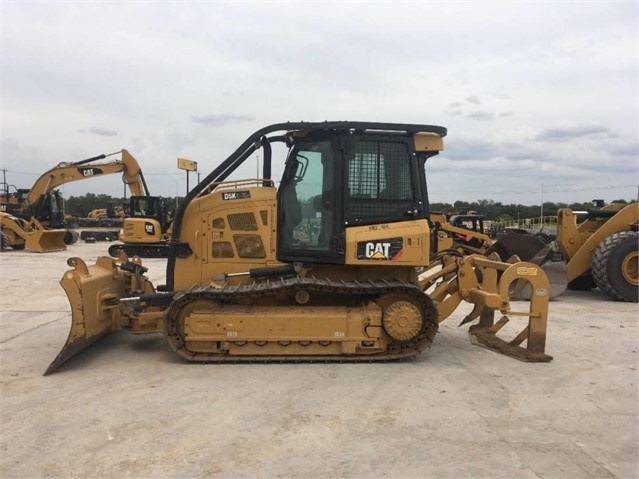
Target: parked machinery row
343 260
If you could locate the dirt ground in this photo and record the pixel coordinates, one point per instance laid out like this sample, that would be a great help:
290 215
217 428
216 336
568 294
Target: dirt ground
129 407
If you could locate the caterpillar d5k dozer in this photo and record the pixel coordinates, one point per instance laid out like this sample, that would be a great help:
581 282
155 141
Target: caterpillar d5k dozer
333 265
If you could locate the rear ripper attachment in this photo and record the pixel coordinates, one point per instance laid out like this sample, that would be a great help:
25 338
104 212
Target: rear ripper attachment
487 285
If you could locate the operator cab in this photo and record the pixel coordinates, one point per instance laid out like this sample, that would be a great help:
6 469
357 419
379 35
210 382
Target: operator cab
333 180
152 207
472 222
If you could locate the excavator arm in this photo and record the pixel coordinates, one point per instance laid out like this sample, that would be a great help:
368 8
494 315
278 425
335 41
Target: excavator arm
85 169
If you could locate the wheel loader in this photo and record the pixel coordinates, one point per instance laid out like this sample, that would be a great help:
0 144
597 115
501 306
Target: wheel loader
333 264
602 250
34 218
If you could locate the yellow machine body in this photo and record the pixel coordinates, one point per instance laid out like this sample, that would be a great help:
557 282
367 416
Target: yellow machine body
334 264
603 249
35 218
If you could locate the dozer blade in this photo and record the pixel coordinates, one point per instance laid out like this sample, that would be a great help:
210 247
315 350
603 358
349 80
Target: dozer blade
45 241
94 293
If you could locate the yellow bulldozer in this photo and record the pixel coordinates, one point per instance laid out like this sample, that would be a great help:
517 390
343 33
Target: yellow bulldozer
333 264
34 218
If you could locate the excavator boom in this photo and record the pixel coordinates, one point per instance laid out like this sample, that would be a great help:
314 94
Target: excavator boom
30 222
85 169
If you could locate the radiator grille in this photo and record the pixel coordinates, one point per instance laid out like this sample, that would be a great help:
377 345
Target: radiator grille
242 222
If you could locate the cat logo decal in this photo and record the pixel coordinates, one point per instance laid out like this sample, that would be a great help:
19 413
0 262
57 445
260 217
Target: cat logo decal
384 249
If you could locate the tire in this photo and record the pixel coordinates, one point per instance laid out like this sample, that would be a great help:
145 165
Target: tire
615 264
582 283
71 237
4 242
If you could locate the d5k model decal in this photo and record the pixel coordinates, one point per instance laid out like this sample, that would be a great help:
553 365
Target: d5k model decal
383 249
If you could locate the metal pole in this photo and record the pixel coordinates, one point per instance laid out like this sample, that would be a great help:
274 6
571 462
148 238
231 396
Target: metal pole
541 218
187 182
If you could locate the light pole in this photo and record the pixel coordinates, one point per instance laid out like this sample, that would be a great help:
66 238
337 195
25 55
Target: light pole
541 217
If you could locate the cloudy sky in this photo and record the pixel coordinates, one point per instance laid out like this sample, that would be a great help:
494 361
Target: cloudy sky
540 99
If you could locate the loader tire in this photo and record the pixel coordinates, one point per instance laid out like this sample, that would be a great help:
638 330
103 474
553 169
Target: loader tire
71 237
582 283
4 242
615 264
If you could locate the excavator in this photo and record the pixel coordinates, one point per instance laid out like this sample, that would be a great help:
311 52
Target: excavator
146 230
333 264
34 218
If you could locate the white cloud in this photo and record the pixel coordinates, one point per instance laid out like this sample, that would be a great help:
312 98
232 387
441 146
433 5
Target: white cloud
80 79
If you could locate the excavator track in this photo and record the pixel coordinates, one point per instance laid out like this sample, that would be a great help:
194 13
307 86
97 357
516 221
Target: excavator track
400 304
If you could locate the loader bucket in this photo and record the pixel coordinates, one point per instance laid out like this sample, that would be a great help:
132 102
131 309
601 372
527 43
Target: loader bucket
94 293
517 243
527 247
45 241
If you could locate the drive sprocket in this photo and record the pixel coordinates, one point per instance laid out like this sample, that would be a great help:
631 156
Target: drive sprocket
402 321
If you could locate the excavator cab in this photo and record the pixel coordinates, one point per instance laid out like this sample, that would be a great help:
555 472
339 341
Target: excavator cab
146 228
148 220
50 210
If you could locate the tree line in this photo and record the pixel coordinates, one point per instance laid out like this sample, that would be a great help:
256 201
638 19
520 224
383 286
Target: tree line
503 213
492 210
81 205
